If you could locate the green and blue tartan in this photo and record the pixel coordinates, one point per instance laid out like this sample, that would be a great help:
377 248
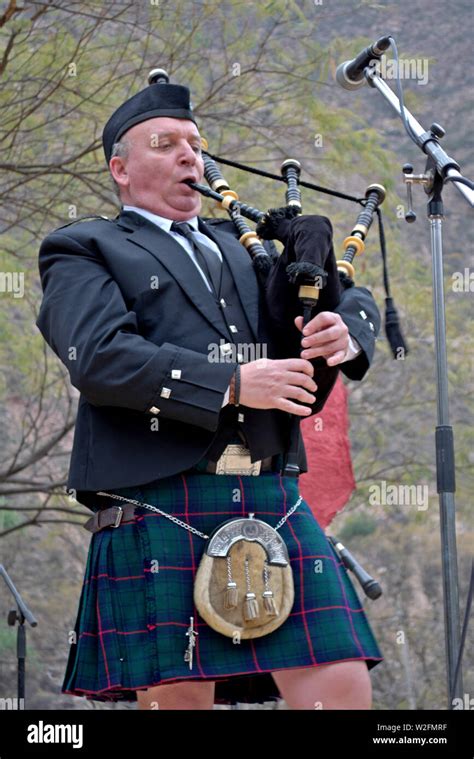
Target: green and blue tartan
137 596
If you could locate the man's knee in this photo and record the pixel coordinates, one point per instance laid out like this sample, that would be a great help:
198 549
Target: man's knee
341 685
186 695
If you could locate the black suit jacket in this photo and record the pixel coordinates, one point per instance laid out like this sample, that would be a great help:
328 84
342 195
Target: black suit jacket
123 309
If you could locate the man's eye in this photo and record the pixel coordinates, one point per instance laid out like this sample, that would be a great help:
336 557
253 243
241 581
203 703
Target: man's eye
197 149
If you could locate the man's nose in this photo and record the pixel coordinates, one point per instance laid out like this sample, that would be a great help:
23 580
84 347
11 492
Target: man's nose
187 154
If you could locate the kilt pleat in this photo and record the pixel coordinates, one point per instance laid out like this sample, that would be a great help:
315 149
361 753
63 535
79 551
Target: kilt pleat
137 596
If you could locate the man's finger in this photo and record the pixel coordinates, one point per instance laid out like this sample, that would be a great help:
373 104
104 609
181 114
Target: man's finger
320 321
298 365
299 323
293 408
326 350
336 358
329 335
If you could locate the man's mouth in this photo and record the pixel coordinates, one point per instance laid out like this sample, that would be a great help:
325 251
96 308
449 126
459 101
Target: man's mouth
186 180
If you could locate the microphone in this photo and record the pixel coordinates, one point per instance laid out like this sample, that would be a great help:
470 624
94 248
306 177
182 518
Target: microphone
370 586
350 74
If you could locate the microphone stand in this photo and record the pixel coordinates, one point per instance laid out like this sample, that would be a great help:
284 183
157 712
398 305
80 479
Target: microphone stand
19 615
439 168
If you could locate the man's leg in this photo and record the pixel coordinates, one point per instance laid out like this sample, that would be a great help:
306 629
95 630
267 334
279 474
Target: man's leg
342 685
185 695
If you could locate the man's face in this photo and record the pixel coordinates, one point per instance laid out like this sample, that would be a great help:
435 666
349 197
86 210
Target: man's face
162 152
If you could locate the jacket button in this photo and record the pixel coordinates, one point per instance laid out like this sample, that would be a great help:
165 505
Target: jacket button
154 410
176 374
165 392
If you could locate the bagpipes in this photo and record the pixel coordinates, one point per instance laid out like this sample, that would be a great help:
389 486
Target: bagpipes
309 274
305 276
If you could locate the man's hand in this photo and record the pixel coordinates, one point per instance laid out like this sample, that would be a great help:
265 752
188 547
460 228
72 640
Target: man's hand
268 383
326 335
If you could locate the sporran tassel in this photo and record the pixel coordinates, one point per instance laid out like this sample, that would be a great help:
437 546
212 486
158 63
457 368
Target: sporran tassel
231 596
251 610
268 599
269 603
250 607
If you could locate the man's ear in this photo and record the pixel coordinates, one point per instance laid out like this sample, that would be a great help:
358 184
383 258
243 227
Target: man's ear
118 169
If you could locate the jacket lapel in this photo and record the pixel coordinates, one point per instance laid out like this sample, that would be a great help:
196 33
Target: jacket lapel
242 270
170 254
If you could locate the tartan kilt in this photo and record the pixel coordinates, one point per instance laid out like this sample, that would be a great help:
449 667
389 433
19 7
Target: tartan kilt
137 595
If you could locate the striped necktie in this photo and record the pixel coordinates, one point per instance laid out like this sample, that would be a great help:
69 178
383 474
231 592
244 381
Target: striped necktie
207 258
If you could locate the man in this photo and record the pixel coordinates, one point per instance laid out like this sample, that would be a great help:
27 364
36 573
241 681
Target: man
132 309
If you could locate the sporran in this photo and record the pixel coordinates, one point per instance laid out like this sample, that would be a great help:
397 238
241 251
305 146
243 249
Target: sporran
244 584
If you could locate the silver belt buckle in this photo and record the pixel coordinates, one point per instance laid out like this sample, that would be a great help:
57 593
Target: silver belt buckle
236 460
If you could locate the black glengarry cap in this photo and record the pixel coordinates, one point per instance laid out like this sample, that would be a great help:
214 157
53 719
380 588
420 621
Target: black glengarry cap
171 100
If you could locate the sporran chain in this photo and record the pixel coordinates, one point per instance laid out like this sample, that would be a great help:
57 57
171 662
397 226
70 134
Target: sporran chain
184 524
